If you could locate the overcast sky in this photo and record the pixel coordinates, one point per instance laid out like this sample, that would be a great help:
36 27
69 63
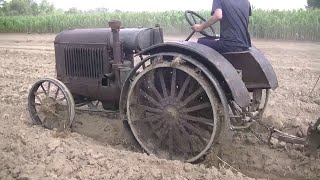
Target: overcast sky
161 5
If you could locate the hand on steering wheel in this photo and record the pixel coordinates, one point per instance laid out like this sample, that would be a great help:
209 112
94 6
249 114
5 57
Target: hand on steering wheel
194 18
197 27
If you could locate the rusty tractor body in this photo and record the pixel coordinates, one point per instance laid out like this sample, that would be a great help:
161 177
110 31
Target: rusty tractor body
89 65
179 98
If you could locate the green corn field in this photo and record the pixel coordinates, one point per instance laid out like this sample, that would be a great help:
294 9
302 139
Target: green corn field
274 24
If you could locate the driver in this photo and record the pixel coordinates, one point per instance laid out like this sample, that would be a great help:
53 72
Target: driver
234 19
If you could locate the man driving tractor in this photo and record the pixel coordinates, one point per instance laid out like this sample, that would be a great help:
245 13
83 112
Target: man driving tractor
234 19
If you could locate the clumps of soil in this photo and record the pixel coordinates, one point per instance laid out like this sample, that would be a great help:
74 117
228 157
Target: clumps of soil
31 152
279 160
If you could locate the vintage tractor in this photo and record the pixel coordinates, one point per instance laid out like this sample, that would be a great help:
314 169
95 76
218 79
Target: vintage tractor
178 98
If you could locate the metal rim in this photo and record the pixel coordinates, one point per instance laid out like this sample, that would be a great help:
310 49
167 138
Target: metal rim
51 104
171 110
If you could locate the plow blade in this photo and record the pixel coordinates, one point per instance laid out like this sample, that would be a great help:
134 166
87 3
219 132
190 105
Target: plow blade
311 142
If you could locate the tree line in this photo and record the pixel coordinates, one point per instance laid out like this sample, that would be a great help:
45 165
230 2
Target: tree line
32 8
25 7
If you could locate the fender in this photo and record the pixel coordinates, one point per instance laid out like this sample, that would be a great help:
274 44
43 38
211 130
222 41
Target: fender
220 67
257 72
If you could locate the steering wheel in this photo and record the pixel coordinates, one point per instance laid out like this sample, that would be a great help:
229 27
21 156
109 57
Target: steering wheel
194 18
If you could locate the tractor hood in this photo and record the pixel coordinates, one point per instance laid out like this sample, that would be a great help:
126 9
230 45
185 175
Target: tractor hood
131 38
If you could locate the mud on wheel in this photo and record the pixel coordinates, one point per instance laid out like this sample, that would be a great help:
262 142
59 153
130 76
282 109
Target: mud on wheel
172 111
51 105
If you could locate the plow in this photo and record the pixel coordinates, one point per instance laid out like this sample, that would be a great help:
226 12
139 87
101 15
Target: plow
178 98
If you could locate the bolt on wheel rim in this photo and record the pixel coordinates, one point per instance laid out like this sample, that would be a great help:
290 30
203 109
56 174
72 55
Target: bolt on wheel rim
172 112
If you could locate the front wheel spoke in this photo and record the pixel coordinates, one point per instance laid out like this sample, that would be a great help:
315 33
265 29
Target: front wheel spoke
49 86
52 103
193 96
151 99
56 94
37 97
57 115
204 138
44 121
184 87
173 83
62 99
44 91
163 84
198 107
62 107
151 109
198 120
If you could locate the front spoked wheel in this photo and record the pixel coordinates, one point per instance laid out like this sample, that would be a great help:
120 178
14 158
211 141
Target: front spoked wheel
51 104
172 112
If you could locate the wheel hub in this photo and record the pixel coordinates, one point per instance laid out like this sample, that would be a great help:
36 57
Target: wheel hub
171 113
48 105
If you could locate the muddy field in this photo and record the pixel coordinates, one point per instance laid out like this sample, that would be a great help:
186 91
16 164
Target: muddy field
101 148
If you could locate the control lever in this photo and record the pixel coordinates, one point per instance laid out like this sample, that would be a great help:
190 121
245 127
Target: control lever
189 37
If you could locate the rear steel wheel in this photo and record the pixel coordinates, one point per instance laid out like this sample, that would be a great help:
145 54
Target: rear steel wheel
259 102
260 99
172 111
51 104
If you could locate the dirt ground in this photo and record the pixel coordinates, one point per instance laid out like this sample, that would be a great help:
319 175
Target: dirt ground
101 148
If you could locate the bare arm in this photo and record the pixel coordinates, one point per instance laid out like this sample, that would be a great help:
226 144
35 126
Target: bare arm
217 16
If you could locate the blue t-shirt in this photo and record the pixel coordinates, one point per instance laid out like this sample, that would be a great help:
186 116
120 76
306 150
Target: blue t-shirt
234 23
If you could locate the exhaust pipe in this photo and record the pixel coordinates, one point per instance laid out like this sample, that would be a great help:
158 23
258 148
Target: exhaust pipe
117 50
119 70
